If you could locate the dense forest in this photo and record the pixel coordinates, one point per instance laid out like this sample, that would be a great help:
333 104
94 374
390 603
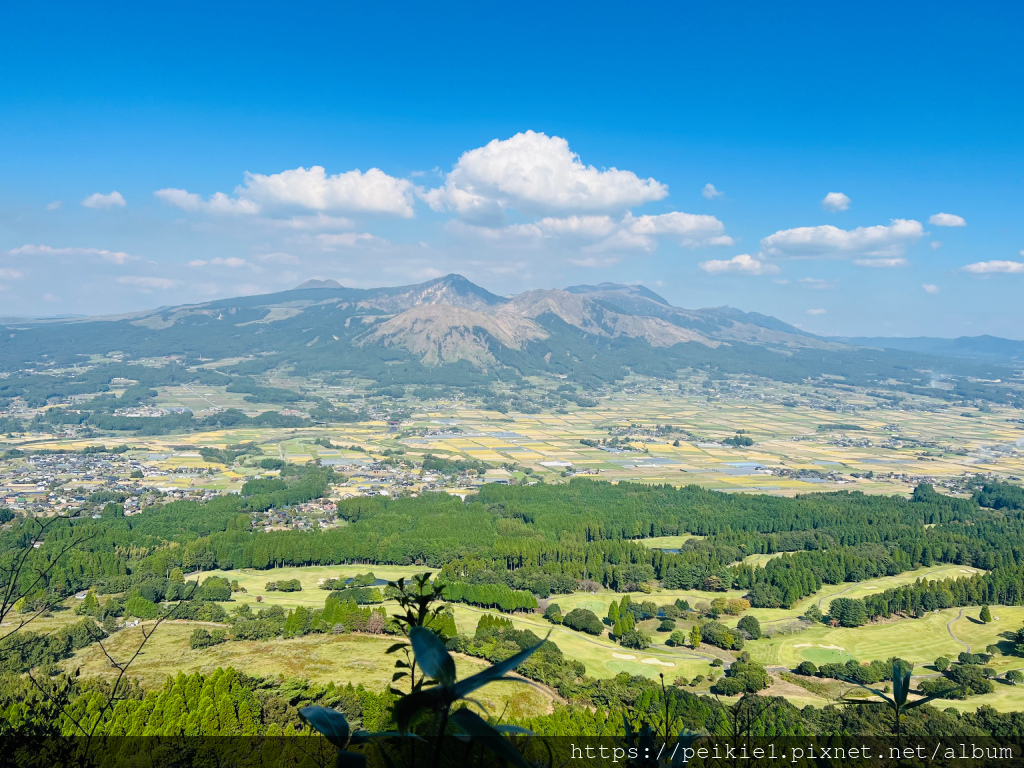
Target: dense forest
545 540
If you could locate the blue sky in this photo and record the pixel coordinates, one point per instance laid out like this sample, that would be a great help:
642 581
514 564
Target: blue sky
533 145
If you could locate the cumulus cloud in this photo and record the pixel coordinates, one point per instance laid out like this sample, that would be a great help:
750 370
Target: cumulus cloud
710 192
370 192
536 173
836 202
815 311
115 257
882 263
99 200
995 267
148 283
311 188
929 288
947 220
828 241
743 264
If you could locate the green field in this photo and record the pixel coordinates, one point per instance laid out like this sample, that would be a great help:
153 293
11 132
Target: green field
356 659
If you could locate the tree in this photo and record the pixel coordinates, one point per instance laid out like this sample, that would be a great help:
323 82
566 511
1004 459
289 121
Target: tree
635 639
1014 676
667 625
848 612
695 637
613 613
676 639
583 620
942 663
986 615
553 613
751 626
806 668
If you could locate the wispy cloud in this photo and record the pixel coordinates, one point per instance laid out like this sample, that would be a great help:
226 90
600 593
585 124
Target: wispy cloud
743 264
99 200
710 192
995 267
115 257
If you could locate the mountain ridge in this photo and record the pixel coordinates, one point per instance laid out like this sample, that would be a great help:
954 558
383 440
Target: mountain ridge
450 327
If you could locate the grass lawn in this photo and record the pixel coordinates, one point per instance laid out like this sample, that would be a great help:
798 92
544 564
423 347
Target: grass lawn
356 659
310 577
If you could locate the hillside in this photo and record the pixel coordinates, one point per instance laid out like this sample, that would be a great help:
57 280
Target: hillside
451 330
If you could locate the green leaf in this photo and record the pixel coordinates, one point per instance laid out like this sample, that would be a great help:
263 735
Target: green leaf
432 656
396 647
873 690
331 723
496 671
480 731
408 707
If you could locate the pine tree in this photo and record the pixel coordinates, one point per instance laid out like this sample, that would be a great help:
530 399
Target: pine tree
613 612
695 637
986 615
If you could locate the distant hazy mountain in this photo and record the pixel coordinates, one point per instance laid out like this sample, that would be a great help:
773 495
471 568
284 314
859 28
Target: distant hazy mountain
450 330
982 347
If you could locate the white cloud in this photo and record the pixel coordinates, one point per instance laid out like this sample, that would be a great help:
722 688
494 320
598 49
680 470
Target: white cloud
710 192
312 189
929 288
836 202
99 200
116 257
947 220
370 192
594 262
345 240
51 298
11 274
278 257
217 203
832 242
744 264
148 283
816 283
605 233
536 173
815 311
232 261
882 263
995 267
318 222
54 206
935 245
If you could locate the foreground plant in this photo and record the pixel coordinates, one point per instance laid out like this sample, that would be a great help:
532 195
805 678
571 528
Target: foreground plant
426 715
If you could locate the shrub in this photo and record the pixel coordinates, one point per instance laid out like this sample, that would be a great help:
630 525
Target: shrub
667 625
942 663
553 613
808 668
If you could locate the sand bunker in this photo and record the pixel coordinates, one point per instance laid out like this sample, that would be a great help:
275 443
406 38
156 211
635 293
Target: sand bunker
831 647
626 656
803 645
658 662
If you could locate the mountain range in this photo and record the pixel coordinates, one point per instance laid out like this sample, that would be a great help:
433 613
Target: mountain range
449 330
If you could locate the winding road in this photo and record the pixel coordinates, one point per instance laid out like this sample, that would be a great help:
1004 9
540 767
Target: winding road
949 628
